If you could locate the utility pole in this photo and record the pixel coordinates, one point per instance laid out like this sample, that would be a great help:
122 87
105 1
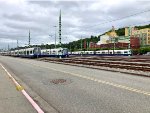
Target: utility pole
55 36
60 29
29 39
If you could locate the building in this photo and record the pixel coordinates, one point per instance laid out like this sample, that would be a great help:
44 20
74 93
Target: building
112 33
143 34
85 44
112 40
129 31
104 39
135 42
133 39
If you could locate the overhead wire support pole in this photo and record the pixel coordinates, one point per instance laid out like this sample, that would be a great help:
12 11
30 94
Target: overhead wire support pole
60 33
55 36
29 38
60 29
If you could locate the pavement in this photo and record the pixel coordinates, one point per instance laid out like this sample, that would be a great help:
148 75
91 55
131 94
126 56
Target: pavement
72 89
12 100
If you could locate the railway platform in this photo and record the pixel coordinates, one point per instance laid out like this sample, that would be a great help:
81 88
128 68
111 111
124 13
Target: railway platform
12 100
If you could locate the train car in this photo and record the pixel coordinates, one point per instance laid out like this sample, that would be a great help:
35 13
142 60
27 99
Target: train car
58 52
114 52
89 52
12 53
82 52
126 52
76 52
27 52
4 53
44 52
34 52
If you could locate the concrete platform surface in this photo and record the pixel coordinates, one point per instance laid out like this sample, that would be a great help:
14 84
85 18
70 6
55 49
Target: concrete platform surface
11 100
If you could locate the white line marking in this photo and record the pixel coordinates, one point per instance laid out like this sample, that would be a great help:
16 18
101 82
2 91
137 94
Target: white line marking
34 104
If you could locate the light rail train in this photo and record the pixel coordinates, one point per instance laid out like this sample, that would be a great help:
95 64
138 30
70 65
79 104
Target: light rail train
126 52
63 52
36 52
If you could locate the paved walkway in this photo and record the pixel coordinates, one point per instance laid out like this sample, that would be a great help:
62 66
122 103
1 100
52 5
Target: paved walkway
11 100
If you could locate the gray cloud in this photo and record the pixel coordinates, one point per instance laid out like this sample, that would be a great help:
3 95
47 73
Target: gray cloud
17 17
79 18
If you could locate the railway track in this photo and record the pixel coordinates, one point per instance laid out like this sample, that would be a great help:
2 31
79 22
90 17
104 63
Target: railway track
129 63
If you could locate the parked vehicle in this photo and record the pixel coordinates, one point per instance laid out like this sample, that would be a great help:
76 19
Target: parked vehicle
148 53
27 52
58 52
126 52
36 52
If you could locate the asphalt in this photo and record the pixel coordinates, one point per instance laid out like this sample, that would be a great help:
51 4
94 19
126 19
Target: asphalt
11 100
84 90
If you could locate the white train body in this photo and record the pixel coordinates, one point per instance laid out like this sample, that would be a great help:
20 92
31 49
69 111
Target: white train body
63 52
116 52
126 52
27 52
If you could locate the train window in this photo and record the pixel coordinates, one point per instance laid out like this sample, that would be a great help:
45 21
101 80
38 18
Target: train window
125 51
30 52
118 52
103 52
27 52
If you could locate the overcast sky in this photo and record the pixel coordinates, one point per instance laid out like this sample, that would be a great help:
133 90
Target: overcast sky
79 18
